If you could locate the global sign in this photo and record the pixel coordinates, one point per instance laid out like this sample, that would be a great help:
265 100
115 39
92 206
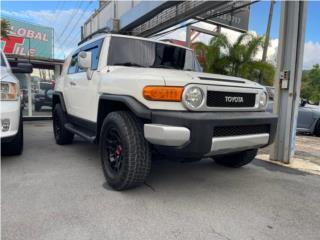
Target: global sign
27 39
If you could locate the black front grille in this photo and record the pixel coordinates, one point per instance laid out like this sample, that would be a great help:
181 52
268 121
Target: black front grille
230 99
239 130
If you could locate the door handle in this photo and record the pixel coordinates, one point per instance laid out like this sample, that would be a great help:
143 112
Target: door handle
72 83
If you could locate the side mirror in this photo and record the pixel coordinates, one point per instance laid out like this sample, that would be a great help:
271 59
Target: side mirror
22 68
84 60
303 102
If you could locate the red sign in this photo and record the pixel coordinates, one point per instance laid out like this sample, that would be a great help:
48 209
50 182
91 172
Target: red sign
15 45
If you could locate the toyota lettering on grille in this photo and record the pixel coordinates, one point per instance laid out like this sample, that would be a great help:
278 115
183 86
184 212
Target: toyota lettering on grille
230 99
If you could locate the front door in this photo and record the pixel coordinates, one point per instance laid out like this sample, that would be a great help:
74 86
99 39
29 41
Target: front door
83 96
70 83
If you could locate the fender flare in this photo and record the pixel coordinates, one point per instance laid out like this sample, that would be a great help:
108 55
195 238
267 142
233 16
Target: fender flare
136 107
61 100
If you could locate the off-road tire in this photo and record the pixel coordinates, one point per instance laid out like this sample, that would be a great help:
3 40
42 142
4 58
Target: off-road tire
135 156
61 134
14 147
317 129
236 160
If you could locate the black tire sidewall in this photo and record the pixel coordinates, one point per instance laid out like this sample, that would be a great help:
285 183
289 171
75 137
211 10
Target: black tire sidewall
15 147
113 178
317 129
21 134
55 116
136 158
64 137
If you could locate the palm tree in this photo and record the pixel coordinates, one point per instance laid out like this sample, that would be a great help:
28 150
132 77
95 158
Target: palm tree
5 28
235 59
215 60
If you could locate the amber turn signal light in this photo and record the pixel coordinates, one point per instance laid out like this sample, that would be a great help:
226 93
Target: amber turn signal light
161 93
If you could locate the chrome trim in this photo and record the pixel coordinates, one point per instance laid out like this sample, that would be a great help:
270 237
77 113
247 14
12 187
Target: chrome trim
166 135
231 89
221 145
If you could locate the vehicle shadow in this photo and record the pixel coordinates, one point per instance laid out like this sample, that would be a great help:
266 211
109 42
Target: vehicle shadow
190 177
165 175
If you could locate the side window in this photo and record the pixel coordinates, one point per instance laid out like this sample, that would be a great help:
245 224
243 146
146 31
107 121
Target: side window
95 57
73 64
94 48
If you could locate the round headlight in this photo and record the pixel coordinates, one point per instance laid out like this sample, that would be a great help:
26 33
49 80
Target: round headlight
193 97
263 99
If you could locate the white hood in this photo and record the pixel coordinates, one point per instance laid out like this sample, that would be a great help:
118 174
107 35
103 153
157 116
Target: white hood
206 78
181 78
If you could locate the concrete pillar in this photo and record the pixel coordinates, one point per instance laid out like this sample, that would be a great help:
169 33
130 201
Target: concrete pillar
57 71
188 36
29 85
288 77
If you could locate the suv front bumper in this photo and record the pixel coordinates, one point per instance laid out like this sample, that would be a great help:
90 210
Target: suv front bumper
10 119
190 134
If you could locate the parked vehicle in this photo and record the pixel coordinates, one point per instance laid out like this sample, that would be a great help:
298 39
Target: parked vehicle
308 115
11 108
135 96
44 96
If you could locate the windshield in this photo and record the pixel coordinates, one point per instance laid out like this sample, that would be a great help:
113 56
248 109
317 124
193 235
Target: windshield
143 53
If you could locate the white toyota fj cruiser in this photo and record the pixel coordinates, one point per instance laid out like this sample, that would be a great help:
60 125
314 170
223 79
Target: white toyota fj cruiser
135 96
11 114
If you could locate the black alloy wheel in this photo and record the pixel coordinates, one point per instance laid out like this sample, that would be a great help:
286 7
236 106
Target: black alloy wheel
114 150
125 154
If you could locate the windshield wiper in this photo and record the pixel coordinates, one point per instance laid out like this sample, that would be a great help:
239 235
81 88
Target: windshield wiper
128 64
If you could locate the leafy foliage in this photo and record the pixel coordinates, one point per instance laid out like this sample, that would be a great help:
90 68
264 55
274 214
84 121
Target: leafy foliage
237 59
5 28
311 84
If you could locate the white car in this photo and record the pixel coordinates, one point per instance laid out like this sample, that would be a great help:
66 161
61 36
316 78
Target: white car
11 114
135 96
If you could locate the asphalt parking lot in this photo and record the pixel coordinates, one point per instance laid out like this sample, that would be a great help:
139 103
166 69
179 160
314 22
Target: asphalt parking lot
59 192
